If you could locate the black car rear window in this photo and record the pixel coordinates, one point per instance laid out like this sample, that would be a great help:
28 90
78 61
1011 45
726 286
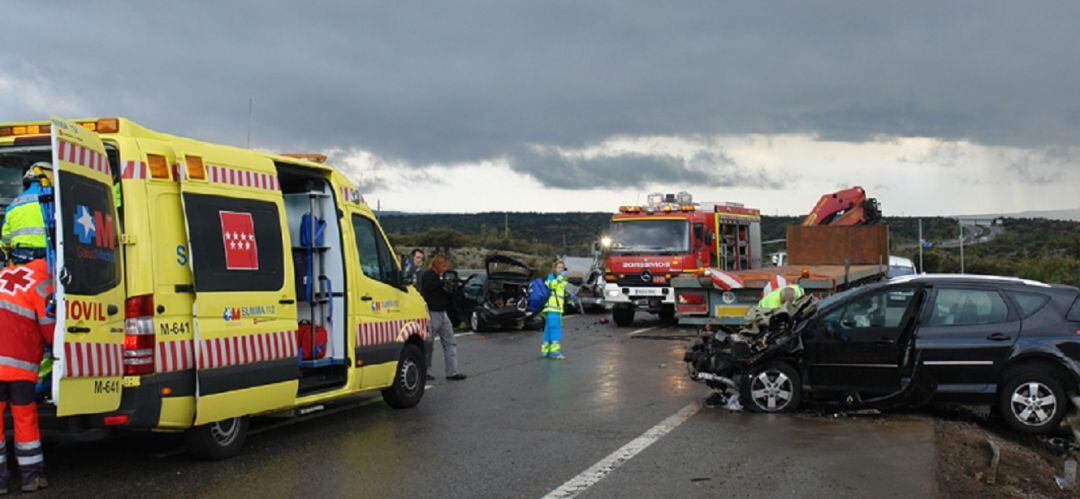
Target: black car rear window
1074 312
1029 303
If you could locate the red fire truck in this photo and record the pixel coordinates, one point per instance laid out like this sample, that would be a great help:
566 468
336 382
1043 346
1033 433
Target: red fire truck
647 246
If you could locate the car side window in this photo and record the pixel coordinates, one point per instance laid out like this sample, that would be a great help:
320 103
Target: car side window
968 307
1029 303
883 309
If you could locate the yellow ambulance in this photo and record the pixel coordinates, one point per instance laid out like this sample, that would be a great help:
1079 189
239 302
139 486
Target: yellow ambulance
201 284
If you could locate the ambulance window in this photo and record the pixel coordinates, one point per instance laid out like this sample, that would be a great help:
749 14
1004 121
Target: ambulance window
375 259
91 247
236 244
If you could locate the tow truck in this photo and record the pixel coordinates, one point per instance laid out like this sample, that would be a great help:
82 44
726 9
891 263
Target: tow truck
840 244
649 246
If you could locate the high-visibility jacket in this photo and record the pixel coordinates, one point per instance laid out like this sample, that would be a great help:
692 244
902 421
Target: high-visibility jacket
24 226
772 300
557 285
24 327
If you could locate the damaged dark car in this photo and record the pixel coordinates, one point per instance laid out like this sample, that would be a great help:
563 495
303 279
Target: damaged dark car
1009 343
496 298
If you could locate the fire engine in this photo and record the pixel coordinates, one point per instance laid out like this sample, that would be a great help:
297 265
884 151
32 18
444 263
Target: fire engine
647 246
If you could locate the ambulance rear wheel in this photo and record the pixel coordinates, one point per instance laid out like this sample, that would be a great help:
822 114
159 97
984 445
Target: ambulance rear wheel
215 441
409 379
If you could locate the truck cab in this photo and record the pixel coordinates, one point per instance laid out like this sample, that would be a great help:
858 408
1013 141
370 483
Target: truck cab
648 246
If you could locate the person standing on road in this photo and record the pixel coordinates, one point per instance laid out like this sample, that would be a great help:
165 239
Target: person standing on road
415 266
551 348
25 329
438 301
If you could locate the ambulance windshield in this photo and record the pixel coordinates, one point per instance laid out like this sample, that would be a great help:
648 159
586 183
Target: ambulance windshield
650 236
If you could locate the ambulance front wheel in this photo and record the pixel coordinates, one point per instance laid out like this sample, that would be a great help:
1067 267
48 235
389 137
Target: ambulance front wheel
220 440
409 379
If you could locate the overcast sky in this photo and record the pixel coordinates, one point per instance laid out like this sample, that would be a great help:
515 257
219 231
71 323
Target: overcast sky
934 107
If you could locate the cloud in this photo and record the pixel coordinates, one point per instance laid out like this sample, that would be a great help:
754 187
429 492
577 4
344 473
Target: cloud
459 82
576 171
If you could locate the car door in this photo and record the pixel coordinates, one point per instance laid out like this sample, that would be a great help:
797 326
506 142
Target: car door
90 292
858 344
965 334
381 296
245 301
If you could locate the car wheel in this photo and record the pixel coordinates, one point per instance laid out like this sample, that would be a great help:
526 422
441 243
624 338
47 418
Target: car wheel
409 379
216 441
474 322
773 387
1032 400
622 316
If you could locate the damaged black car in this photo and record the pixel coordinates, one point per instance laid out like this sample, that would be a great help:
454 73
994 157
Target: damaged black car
496 298
1009 343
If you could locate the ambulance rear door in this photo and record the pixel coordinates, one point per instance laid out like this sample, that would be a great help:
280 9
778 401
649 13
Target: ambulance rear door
88 343
245 298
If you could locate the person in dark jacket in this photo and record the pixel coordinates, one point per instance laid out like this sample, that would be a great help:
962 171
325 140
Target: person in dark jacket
414 266
438 301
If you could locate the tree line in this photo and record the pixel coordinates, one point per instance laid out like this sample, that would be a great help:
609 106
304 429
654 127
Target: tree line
1046 250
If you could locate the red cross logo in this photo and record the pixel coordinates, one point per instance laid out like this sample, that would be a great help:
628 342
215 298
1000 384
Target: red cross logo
16 280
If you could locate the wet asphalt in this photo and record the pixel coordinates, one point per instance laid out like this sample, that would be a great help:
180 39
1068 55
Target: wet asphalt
521 426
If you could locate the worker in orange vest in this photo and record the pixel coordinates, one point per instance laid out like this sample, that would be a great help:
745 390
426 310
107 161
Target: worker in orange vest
25 329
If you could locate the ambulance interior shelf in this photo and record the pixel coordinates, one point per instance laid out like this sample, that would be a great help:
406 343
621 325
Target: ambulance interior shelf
320 275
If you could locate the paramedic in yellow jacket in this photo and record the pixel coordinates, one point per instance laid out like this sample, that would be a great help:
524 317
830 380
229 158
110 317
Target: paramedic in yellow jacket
23 232
553 309
777 298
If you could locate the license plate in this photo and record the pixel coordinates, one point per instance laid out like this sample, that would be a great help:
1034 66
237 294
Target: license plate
645 292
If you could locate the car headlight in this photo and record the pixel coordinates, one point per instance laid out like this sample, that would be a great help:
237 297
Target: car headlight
613 293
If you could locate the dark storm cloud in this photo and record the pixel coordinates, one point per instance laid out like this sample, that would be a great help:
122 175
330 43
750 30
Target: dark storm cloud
445 82
708 169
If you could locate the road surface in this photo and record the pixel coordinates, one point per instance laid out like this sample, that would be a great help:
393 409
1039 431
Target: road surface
618 418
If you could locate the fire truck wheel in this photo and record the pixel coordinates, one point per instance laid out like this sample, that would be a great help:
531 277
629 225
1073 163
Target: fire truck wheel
623 317
667 314
216 441
409 379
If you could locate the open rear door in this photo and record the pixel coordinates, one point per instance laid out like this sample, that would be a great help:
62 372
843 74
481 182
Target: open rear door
245 297
90 291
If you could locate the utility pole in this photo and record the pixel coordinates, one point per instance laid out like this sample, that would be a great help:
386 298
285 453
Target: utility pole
921 244
506 225
961 246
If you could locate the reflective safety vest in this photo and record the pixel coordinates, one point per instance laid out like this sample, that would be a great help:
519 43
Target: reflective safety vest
24 226
772 300
24 327
557 285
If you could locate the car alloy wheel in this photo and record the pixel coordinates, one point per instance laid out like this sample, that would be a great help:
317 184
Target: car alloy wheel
771 390
1033 403
474 321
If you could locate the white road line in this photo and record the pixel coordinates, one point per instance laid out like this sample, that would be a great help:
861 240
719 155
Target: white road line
642 330
598 471
457 335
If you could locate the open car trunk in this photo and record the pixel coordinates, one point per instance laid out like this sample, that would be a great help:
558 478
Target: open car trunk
506 296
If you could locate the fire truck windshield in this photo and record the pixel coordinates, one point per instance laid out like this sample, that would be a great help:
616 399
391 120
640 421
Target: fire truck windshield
650 236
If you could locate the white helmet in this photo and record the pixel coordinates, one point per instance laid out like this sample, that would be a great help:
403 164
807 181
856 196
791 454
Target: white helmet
32 175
